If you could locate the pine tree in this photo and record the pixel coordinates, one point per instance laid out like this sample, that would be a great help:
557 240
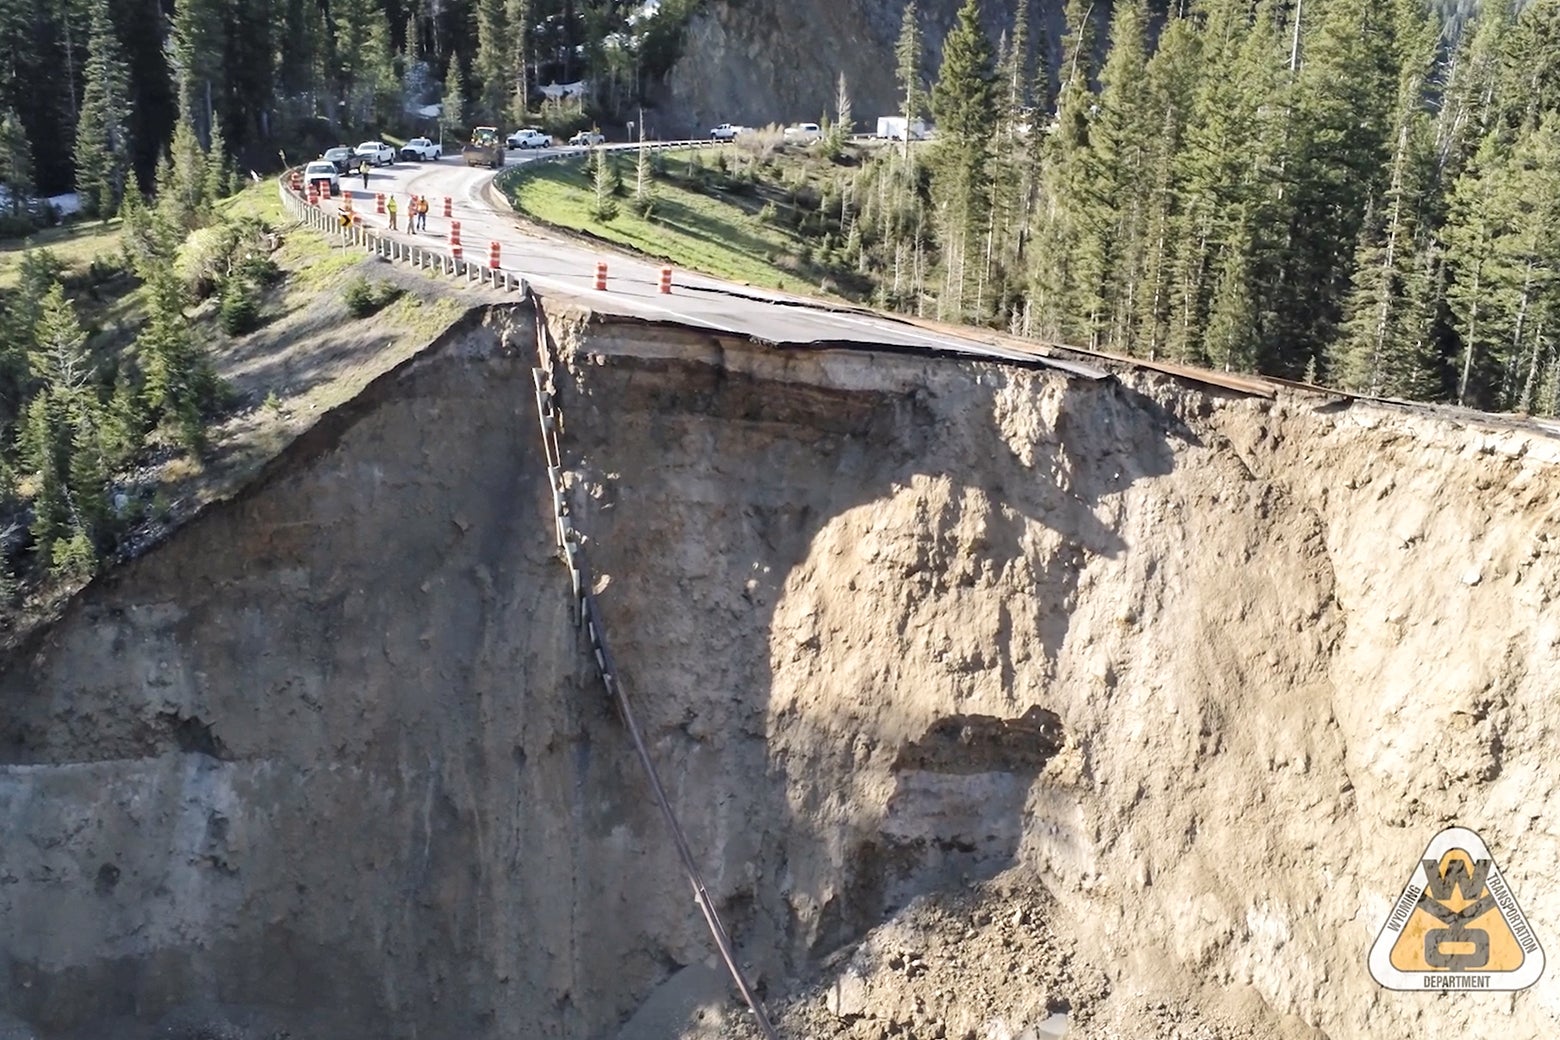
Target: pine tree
199 44
1078 46
909 58
604 207
1343 110
218 174
62 435
250 70
1526 271
844 121
453 112
180 382
182 180
44 448
380 85
517 16
58 355
16 164
37 273
1171 78
963 103
102 132
1014 166
1051 304
1474 222
1527 80
491 69
1383 345
1113 218
1226 172
1467 110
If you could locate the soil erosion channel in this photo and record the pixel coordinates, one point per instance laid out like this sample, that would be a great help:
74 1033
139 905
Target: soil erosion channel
1169 684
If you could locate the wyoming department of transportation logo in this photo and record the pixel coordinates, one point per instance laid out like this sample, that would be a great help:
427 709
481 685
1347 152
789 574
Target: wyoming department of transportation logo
1457 925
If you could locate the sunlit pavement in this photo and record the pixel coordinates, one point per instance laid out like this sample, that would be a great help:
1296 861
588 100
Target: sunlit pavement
569 267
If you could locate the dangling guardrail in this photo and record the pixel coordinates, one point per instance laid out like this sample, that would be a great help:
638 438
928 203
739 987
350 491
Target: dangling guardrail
587 616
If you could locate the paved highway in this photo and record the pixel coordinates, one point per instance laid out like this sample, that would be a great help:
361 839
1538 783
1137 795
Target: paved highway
555 264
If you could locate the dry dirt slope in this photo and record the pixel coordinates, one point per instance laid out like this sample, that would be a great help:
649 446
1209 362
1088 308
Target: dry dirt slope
1210 669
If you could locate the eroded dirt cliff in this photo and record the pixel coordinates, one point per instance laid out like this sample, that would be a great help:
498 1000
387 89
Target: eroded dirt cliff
1157 690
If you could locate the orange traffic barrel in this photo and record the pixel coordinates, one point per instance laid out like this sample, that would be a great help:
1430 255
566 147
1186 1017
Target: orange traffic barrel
493 255
601 274
666 279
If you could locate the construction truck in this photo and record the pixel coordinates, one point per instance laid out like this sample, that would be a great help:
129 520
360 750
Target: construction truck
486 148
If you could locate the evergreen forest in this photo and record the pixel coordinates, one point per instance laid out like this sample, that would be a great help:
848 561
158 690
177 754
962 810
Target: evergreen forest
91 88
1364 193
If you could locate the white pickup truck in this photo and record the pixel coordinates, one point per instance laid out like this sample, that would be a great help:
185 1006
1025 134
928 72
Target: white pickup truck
726 132
376 152
530 137
421 149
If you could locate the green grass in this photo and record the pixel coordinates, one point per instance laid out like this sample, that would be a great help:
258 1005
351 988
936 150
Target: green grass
256 200
76 245
686 227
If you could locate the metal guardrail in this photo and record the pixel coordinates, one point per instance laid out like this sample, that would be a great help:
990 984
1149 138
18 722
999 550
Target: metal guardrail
373 243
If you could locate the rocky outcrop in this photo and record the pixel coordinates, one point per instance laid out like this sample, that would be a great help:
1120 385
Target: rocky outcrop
757 62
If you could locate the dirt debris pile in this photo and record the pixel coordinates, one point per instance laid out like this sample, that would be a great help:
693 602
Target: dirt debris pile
1180 679
981 962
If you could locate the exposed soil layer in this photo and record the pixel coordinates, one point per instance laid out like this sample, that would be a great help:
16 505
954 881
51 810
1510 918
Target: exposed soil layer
994 703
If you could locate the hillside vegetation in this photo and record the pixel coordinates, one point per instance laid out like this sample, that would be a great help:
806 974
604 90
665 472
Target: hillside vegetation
1367 198
754 212
148 362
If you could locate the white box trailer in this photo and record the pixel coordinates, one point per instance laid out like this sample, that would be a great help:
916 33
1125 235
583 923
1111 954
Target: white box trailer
892 128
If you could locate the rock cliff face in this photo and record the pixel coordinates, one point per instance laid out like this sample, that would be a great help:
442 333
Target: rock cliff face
757 62
1212 669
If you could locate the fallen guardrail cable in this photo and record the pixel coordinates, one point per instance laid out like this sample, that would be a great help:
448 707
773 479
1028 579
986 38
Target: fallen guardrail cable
588 617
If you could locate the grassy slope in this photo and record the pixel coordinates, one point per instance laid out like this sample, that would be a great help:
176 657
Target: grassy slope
76 245
724 238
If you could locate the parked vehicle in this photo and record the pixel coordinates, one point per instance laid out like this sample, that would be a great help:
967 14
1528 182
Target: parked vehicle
485 148
803 132
588 139
376 152
341 157
727 132
323 174
421 149
530 137
894 128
